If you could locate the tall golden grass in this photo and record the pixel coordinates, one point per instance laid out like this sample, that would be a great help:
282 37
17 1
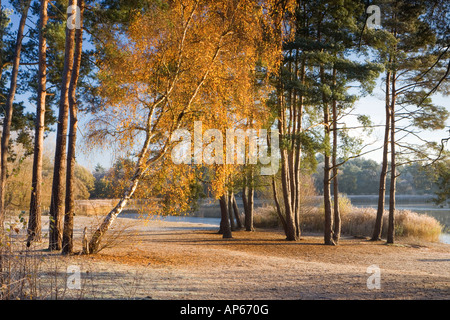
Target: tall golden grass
358 221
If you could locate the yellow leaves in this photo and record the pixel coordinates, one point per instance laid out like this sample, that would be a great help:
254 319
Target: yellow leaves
178 63
167 186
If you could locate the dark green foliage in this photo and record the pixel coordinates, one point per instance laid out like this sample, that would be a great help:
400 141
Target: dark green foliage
442 179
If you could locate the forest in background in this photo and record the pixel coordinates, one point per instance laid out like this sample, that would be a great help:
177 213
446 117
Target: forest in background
357 177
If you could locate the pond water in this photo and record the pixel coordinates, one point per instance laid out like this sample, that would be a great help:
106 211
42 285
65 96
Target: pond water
209 222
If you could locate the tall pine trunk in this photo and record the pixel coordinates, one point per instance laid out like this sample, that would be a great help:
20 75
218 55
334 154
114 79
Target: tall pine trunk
328 230
244 196
393 177
337 215
67 240
326 183
34 222
1 213
291 234
9 111
287 131
58 186
277 204
296 141
384 166
230 211
236 212
248 218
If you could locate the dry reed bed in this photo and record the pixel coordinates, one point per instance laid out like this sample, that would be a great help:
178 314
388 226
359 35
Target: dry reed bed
359 221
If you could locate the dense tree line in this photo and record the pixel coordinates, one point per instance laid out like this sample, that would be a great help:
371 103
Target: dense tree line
357 177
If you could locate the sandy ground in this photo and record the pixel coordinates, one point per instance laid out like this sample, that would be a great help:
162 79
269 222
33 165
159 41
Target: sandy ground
174 260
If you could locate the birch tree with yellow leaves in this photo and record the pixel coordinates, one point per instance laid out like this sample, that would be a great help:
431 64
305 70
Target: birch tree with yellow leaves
173 65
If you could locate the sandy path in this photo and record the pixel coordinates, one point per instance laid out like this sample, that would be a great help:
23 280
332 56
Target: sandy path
166 260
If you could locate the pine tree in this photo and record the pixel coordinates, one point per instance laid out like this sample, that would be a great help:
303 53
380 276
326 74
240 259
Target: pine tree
412 66
67 239
318 68
9 106
34 222
58 186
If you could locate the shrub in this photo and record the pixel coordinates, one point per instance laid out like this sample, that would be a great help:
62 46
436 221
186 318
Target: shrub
266 217
417 225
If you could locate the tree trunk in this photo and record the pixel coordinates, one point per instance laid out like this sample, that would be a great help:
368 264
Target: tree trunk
67 240
337 216
230 211
143 163
299 144
328 231
34 222
291 234
248 223
277 205
297 160
224 221
58 187
236 212
296 141
391 224
327 202
1 213
384 166
244 196
9 111
94 243
140 168
85 242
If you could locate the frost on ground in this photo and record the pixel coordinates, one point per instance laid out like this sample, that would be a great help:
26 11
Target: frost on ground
178 260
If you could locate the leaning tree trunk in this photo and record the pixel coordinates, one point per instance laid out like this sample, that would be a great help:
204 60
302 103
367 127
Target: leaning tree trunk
34 222
67 239
94 243
9 111
143 163
140 168
384 166
58 186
